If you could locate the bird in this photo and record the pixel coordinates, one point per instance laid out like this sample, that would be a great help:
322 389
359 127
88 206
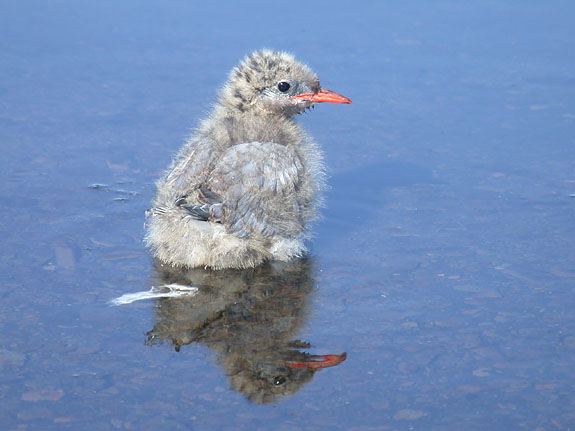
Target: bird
246 186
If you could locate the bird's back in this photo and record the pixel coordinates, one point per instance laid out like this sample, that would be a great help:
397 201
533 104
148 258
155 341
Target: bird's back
258 179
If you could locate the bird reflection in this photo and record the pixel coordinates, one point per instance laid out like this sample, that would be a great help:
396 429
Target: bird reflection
249 318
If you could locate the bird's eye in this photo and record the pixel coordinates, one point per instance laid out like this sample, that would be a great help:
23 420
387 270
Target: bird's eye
283 86
279 380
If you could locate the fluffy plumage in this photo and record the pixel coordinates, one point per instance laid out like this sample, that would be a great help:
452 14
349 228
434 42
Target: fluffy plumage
247 184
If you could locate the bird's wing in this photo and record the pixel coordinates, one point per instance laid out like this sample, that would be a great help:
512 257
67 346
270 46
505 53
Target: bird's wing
209 206
255 184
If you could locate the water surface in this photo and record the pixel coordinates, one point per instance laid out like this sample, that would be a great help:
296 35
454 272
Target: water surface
444 264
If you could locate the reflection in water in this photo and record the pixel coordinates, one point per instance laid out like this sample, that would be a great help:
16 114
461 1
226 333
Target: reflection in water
249 317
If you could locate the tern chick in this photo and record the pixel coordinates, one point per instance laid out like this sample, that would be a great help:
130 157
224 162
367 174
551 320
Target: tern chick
247 184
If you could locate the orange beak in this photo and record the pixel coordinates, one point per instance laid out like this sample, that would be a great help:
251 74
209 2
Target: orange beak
323 361
322 95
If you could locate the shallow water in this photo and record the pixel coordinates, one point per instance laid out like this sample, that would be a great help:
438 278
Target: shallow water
444 264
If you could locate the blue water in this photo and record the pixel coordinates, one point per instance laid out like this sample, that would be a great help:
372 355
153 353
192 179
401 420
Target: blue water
444 264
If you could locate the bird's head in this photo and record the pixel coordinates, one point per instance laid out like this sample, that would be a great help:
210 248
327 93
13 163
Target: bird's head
274 82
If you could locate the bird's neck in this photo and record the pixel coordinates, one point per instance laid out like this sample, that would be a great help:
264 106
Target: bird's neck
255 125
222 110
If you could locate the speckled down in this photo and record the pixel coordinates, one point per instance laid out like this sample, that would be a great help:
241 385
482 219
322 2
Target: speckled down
247 184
